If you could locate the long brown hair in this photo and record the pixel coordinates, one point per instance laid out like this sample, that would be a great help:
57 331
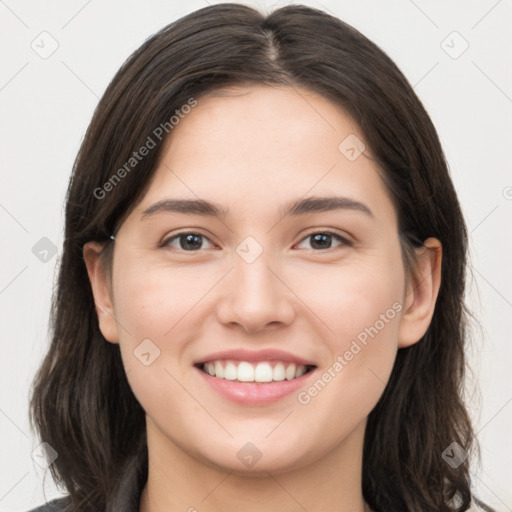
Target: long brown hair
81 402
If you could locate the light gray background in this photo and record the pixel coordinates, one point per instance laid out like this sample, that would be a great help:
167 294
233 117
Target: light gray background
47 103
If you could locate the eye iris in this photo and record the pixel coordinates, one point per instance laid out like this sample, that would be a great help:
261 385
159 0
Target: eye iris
191 241
323 239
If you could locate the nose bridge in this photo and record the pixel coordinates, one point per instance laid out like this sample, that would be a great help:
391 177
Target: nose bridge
254 281
256 295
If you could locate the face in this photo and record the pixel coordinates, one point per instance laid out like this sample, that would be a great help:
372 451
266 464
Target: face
261 323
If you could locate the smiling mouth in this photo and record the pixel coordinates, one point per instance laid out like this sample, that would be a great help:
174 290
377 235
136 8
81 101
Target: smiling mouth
261 372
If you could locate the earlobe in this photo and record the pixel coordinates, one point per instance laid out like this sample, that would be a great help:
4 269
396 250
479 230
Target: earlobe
421 294
101 289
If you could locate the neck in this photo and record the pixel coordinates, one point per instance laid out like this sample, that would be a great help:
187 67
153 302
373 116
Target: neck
180 482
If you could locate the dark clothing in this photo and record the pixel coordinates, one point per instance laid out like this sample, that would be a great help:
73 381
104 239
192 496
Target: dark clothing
127 501
126 496
53 506
59 505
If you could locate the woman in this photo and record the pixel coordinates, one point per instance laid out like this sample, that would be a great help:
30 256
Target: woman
260 300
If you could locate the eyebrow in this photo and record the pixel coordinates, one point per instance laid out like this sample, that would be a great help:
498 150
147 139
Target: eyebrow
294 208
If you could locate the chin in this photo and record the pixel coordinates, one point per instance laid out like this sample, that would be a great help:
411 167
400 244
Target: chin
259 457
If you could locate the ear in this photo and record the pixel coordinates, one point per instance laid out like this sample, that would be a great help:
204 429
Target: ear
102 291
421 293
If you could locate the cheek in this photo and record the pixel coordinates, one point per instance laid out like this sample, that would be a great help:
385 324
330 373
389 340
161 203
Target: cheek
368 314
357 301
151 300
157 309
363 309
151 306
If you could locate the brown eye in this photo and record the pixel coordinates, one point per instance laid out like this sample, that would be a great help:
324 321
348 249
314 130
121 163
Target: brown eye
188 242
322 240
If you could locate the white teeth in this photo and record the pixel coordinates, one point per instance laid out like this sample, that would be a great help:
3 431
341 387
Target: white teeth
290 372
218 370
230 372
301 370
278 373
244 371
263 372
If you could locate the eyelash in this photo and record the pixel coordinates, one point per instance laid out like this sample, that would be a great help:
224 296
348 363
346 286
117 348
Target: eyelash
344 242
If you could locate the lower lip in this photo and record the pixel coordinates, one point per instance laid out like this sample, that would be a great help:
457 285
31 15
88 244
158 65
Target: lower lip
254 393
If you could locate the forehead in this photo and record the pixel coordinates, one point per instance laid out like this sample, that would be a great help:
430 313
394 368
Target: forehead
252 146
264 119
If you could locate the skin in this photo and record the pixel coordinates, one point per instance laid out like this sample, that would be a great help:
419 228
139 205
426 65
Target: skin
253 150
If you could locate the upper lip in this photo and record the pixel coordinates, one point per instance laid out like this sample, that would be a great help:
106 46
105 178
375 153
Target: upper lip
255 356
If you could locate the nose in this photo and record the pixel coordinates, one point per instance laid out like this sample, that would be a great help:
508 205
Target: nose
256 296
